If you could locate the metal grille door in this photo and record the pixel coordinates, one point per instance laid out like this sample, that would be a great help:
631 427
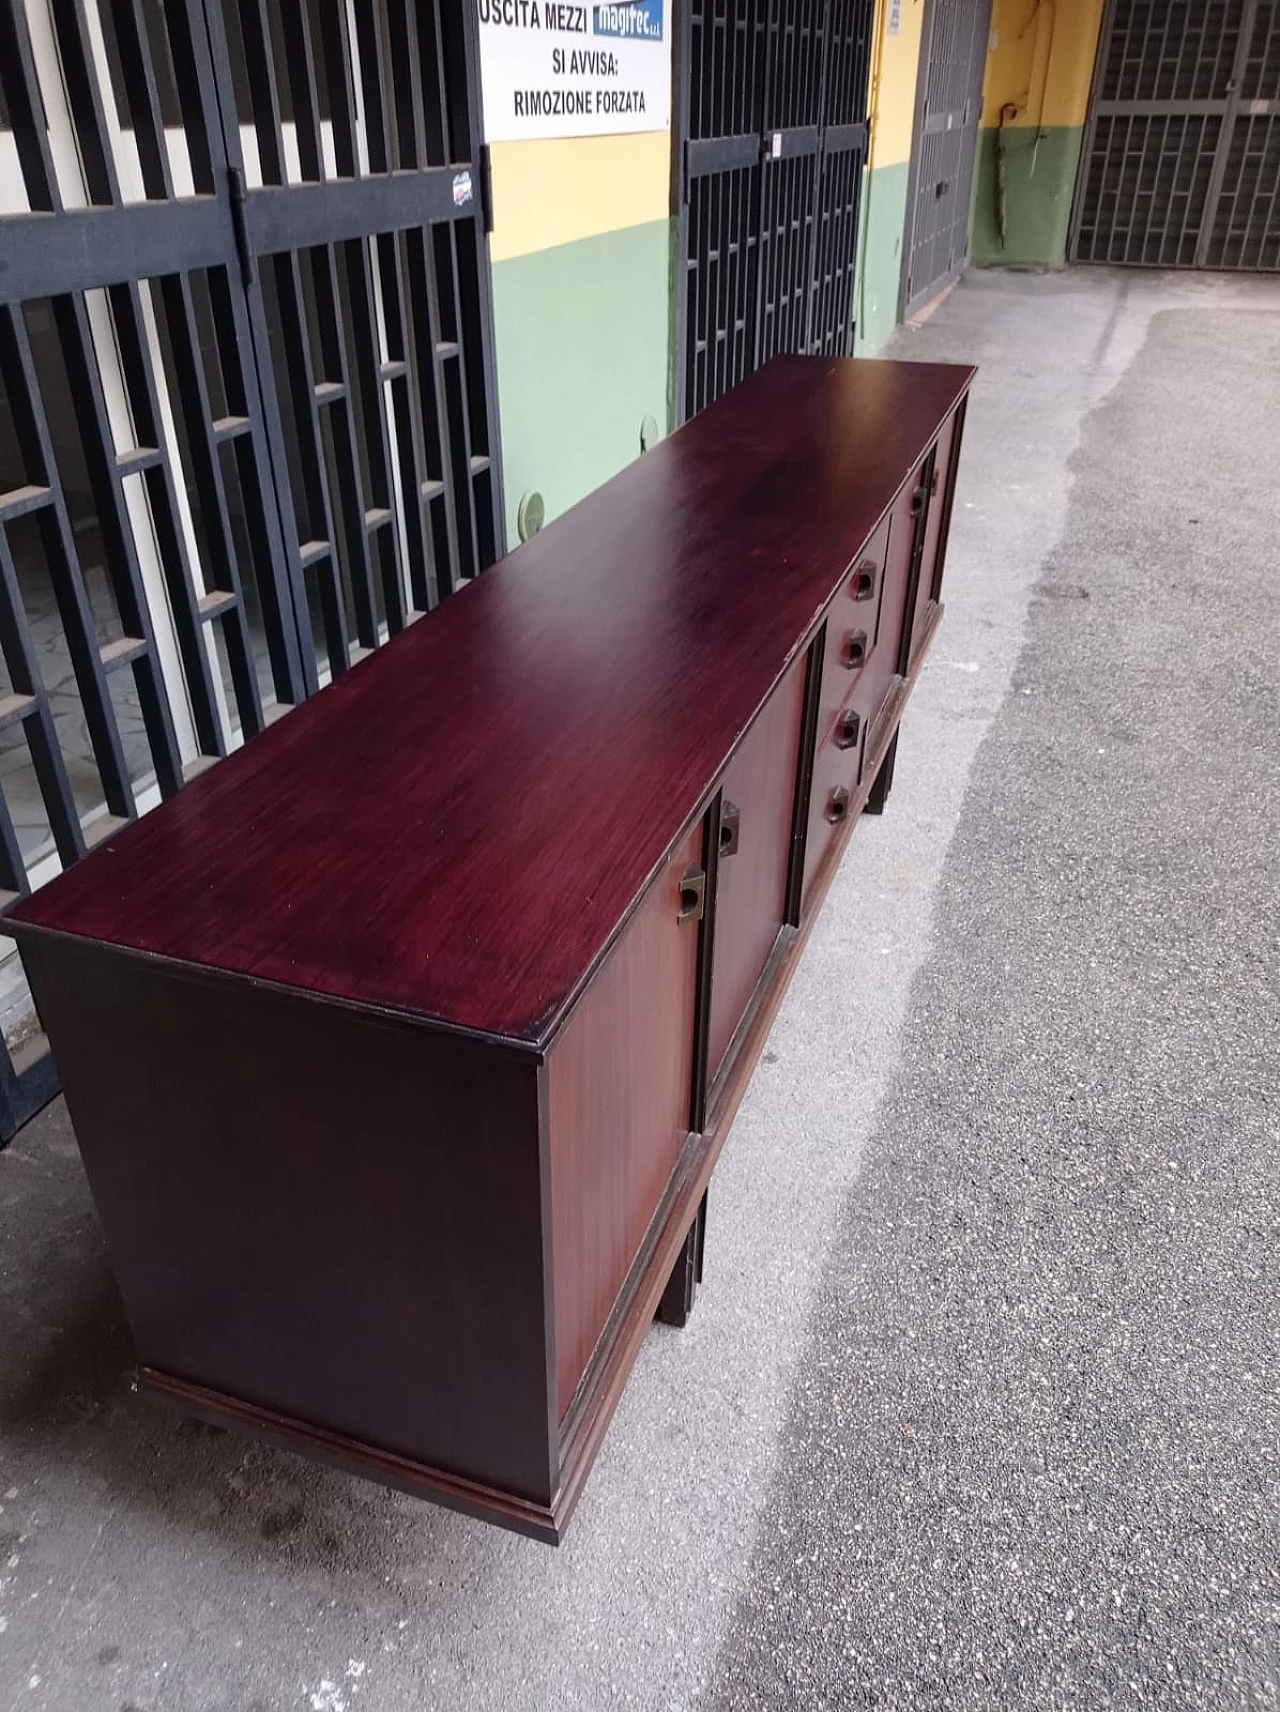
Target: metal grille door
941 188
774 97
246 417
1182 153
356 200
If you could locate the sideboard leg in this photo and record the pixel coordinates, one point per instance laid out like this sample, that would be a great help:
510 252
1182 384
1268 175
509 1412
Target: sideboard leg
883 781
682 1287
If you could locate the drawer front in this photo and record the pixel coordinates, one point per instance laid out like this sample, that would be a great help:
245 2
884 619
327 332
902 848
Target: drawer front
857 602
837 773
864 636
853 627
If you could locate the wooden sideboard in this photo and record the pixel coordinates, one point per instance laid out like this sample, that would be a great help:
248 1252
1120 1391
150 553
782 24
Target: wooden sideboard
401 1045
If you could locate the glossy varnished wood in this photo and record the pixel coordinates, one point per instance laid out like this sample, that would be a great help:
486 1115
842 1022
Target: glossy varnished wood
751 889
619 1096
648 1280
298 1199
940 474
442 831
398 1079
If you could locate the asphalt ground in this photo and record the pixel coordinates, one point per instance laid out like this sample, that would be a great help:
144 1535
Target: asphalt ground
977 1407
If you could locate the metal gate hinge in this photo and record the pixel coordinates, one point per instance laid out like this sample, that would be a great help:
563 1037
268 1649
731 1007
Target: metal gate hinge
235 182
486 187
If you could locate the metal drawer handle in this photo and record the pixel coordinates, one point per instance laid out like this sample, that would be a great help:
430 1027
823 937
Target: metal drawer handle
838 806
848 729
730 828
854 651
693 895
864 581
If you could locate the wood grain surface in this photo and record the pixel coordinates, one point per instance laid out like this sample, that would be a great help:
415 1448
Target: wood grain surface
456 827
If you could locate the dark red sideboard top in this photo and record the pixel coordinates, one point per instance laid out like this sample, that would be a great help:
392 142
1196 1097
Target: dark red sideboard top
456 827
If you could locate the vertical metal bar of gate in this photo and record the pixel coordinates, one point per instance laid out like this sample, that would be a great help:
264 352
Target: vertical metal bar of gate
771 108
228 478
1181 154
101 575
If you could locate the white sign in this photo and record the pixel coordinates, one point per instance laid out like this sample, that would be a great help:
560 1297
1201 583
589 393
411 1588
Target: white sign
895 17
549 68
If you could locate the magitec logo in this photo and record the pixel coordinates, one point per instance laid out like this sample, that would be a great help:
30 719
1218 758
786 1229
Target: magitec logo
630 20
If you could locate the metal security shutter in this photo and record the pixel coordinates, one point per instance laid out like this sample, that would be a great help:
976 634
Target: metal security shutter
246 396
942 158
772 103
1181 160
365 267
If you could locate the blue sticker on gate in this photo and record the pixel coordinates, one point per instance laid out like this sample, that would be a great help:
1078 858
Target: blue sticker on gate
630 20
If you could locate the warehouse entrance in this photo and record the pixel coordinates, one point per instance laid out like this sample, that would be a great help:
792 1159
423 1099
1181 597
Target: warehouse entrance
1181 156
247 425
771 134
953 52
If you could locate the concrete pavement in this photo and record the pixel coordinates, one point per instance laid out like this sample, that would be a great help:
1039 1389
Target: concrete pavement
977 1408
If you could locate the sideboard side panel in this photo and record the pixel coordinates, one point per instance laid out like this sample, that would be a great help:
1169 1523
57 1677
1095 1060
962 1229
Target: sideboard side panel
619 1093
315 1210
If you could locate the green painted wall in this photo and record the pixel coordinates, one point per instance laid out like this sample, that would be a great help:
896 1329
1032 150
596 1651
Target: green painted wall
881 224
1039 184
583 338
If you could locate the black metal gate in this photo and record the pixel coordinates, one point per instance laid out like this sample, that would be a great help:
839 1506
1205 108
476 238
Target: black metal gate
940 187
772 110
247 423
1181 157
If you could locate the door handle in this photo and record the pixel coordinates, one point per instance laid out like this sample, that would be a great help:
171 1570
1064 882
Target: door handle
693 895
730 828
848 730
838 806
853 651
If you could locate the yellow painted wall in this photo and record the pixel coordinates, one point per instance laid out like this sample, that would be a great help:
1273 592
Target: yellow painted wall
891 104
1039 73
565 188
894 67
581 254
1042 61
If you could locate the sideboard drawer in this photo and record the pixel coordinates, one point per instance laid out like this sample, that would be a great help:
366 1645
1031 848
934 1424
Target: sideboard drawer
837 773
864 629
857 603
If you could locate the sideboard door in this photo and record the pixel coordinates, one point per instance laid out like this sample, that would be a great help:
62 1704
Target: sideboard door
619 1101
756 809
928 579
